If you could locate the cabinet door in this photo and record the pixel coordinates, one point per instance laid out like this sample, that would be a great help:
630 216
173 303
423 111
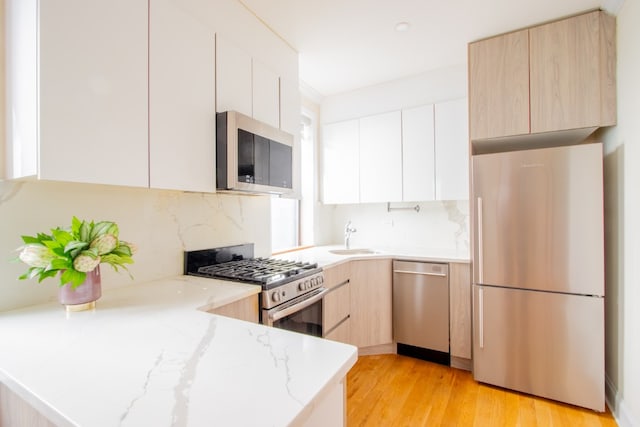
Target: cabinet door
243 309
418 154
371 294
233 78
381 158
452 150
290 110
460 310
499 86
181 100
341 333
93 91
341 162
569 60
266 94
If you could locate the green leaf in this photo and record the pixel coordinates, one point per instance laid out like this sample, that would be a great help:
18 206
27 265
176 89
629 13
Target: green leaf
85 229
46 274
30 239
75 225
62 236
122 250
60 264
75 244
100 228
52 244
72 276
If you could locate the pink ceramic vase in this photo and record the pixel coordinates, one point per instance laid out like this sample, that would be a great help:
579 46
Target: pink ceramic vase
84 296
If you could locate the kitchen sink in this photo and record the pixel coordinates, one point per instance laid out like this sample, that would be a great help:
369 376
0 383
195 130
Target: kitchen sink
360 251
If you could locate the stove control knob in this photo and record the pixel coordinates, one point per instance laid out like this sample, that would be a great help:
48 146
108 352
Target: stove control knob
302 286
312 282
320 280
275 296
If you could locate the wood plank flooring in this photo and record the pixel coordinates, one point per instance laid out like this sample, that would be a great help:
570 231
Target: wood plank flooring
392 390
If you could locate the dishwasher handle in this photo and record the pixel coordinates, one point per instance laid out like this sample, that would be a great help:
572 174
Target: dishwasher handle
420 273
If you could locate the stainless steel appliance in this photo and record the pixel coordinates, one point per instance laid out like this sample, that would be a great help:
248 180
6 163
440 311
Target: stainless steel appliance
292 292
252 156
538 272
421 310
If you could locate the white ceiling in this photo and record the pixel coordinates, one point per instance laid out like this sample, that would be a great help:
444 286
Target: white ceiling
348 44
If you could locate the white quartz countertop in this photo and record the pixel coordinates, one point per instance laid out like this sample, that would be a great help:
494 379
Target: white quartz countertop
323 256
149 355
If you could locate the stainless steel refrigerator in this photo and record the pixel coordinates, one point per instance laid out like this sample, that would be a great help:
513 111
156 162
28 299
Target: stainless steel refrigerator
538 272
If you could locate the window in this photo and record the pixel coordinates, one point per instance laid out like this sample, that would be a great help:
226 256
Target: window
292 220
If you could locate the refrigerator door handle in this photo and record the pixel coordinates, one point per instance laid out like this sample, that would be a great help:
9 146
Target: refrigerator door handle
480 244
481 317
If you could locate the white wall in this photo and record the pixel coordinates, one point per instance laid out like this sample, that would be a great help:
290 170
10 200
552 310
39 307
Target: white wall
622 225
439 227
162 224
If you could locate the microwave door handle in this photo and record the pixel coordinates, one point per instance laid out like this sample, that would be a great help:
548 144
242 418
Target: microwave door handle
297 307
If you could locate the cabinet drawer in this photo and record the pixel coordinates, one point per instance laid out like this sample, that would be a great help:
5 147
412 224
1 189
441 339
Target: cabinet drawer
336 306
336 275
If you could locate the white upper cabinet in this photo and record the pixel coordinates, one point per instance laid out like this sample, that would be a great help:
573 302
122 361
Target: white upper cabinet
341 162
381 158
88 122
452 150
181 100
418 154
233 78
266 94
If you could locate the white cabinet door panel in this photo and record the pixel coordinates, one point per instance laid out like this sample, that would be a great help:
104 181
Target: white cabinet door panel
233 78
181 100
266 94
452 150
93 91
341 162
381 158
418 154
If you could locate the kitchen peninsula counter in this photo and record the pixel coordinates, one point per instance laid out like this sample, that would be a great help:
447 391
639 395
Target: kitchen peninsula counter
150 354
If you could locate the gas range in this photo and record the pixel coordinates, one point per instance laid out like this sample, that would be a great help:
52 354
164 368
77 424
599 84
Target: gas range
281 280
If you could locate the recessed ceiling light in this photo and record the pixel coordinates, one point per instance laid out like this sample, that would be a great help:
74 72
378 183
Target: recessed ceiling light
402 26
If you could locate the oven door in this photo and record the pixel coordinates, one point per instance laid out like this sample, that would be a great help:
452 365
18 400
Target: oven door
302 314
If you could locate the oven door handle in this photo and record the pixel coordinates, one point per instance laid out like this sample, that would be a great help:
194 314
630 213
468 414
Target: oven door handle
274 317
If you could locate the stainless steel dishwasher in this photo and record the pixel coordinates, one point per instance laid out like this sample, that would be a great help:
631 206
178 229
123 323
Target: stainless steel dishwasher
421 310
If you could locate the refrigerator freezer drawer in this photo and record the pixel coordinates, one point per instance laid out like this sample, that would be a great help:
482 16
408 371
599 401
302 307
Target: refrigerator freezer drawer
546 344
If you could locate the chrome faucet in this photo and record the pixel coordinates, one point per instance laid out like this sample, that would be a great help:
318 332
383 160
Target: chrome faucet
348 229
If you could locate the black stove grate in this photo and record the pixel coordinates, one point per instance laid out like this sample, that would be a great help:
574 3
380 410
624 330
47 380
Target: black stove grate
263 271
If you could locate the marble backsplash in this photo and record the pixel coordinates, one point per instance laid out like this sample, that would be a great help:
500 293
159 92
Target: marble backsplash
439 225
161 223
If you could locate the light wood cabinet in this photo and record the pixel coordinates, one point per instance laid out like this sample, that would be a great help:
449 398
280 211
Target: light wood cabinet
242 309
460 310
572 69
181 100
418 154
451 150
499 86
371 301
553 77
381 158
78 91
337 303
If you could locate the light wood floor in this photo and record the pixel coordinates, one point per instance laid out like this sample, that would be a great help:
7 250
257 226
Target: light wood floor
392 390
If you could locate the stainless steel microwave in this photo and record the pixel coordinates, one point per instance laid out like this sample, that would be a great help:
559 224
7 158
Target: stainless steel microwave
252 156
